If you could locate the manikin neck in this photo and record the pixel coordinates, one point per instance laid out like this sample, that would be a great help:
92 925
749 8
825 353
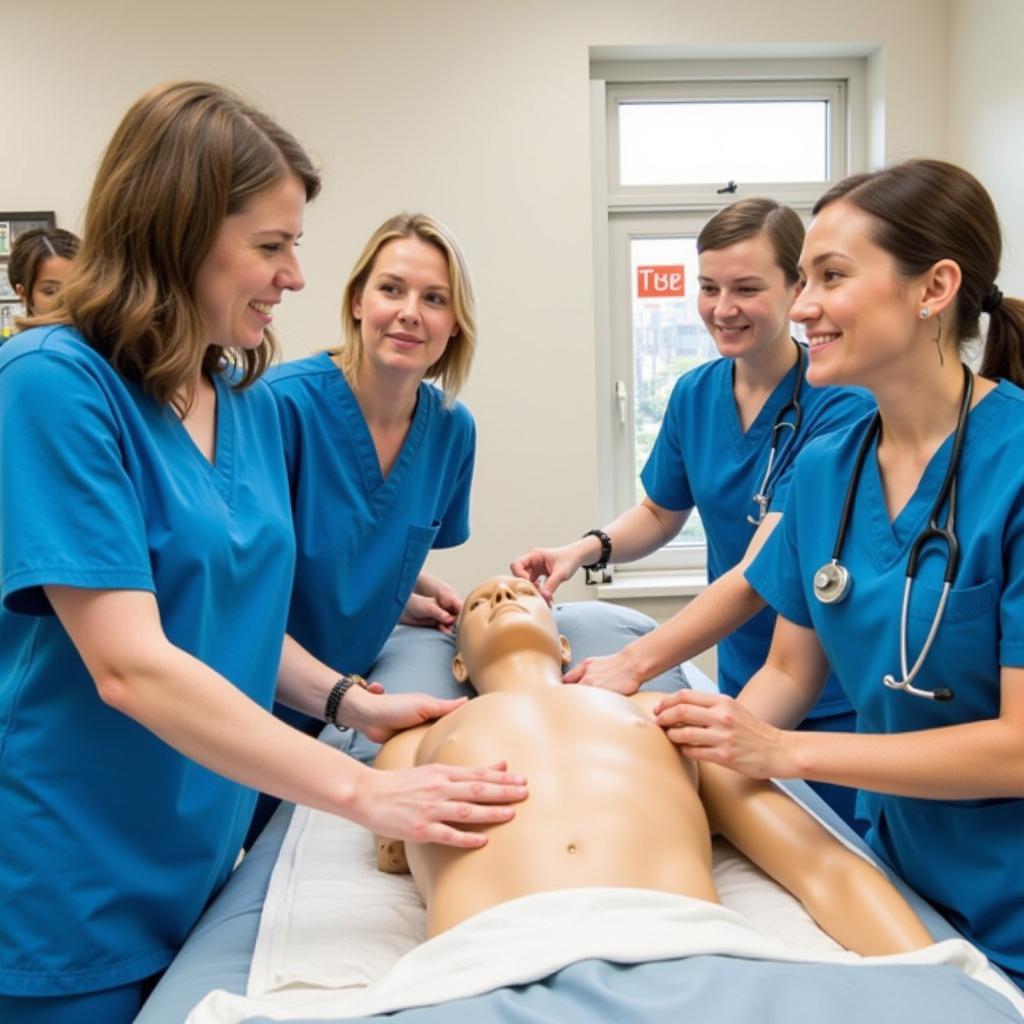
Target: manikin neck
519 672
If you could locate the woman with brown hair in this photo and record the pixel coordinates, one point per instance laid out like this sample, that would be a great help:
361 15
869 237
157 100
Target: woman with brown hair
730 435
146 564
900 559
380 460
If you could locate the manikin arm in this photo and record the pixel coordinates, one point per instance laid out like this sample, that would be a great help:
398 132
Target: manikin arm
846 895
399 752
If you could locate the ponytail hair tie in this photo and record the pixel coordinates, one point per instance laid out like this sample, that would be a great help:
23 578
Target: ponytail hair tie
992 301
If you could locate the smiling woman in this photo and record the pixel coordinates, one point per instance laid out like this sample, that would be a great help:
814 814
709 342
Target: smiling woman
380 461
731 433
252 263
146 569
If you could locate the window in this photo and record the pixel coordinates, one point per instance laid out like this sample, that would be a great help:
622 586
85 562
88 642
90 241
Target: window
668 154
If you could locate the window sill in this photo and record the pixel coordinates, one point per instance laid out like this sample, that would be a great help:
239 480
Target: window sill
652 584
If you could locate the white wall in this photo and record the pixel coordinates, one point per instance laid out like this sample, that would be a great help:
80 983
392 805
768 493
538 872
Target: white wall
474 110
986 114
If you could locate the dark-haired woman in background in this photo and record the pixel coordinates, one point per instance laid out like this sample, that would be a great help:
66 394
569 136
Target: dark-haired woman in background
39 263
900 557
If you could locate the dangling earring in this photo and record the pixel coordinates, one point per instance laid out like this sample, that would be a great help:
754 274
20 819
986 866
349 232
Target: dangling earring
938 342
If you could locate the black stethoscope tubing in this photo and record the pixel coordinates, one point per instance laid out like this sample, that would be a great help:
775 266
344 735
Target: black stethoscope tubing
763 496
832 581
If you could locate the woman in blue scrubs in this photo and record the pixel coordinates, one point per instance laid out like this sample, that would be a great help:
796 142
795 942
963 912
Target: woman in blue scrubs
899 267
380 461
714 452
146 562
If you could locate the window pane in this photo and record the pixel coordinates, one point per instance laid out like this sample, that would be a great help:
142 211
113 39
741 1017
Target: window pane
668 339
712 142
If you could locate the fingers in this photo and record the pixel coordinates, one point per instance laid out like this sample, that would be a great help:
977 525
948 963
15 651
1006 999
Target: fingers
375 687
689 714
488 777
438 708
529 566
554 580
696 697
575 674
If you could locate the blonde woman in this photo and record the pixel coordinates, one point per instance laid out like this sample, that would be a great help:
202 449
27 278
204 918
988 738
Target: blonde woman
380 461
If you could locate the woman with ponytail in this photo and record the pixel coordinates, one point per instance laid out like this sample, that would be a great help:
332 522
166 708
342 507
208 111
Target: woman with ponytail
899 561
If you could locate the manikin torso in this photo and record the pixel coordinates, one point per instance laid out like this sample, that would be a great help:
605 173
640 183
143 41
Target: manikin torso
611 802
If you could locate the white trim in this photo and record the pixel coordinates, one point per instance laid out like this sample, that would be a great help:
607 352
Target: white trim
651 584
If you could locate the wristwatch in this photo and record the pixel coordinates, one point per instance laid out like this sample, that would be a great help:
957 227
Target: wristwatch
606 549
337 695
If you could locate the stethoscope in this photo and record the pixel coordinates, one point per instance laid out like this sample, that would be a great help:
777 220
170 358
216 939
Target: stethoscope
763 497
832 581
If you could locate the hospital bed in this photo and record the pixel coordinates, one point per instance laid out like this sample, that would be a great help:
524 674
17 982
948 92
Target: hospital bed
347 930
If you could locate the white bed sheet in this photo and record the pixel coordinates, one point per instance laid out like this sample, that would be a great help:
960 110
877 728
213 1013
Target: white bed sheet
334 928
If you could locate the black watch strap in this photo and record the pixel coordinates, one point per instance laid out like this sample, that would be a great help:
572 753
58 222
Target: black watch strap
337 695
606 549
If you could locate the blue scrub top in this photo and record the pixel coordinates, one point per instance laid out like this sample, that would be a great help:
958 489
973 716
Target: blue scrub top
703 458
362 538
112 842
963 855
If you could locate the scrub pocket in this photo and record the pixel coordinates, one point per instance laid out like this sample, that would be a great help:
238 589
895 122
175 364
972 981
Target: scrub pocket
418 543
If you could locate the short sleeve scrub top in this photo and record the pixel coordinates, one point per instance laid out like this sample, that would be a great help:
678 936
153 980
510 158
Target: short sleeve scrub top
112 842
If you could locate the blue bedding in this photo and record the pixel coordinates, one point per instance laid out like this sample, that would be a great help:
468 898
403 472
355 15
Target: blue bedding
708 989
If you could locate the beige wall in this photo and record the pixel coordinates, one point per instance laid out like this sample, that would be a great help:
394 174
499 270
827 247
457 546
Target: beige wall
476 111
986 114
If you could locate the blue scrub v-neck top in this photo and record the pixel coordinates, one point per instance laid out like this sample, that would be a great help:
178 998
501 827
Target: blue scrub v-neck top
703 458
112 842
963 855
362 538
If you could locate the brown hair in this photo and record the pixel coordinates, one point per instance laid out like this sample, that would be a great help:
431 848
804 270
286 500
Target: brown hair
453 366
930 210
184 157
30 249
749 217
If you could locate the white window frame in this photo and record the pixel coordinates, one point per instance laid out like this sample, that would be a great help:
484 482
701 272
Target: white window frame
622 213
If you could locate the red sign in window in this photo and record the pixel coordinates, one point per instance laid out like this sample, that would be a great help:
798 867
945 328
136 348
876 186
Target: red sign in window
660 282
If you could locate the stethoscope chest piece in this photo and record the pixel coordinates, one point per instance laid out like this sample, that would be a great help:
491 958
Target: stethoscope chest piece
831 583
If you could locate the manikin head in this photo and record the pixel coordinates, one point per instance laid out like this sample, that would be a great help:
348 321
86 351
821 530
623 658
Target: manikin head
505 620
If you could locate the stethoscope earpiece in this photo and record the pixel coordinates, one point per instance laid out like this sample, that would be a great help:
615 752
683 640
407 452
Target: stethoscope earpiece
831 583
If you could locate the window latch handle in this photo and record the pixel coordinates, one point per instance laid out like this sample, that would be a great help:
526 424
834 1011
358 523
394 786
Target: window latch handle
730 186
620 397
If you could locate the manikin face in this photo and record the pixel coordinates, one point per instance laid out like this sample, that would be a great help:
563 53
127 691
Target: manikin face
251 265
50 275
501 617
860 313
744 297
405 309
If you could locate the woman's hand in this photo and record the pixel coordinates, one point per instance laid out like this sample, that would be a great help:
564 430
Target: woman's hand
379 715
614 672
713 727
432 604
432 803
554 565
